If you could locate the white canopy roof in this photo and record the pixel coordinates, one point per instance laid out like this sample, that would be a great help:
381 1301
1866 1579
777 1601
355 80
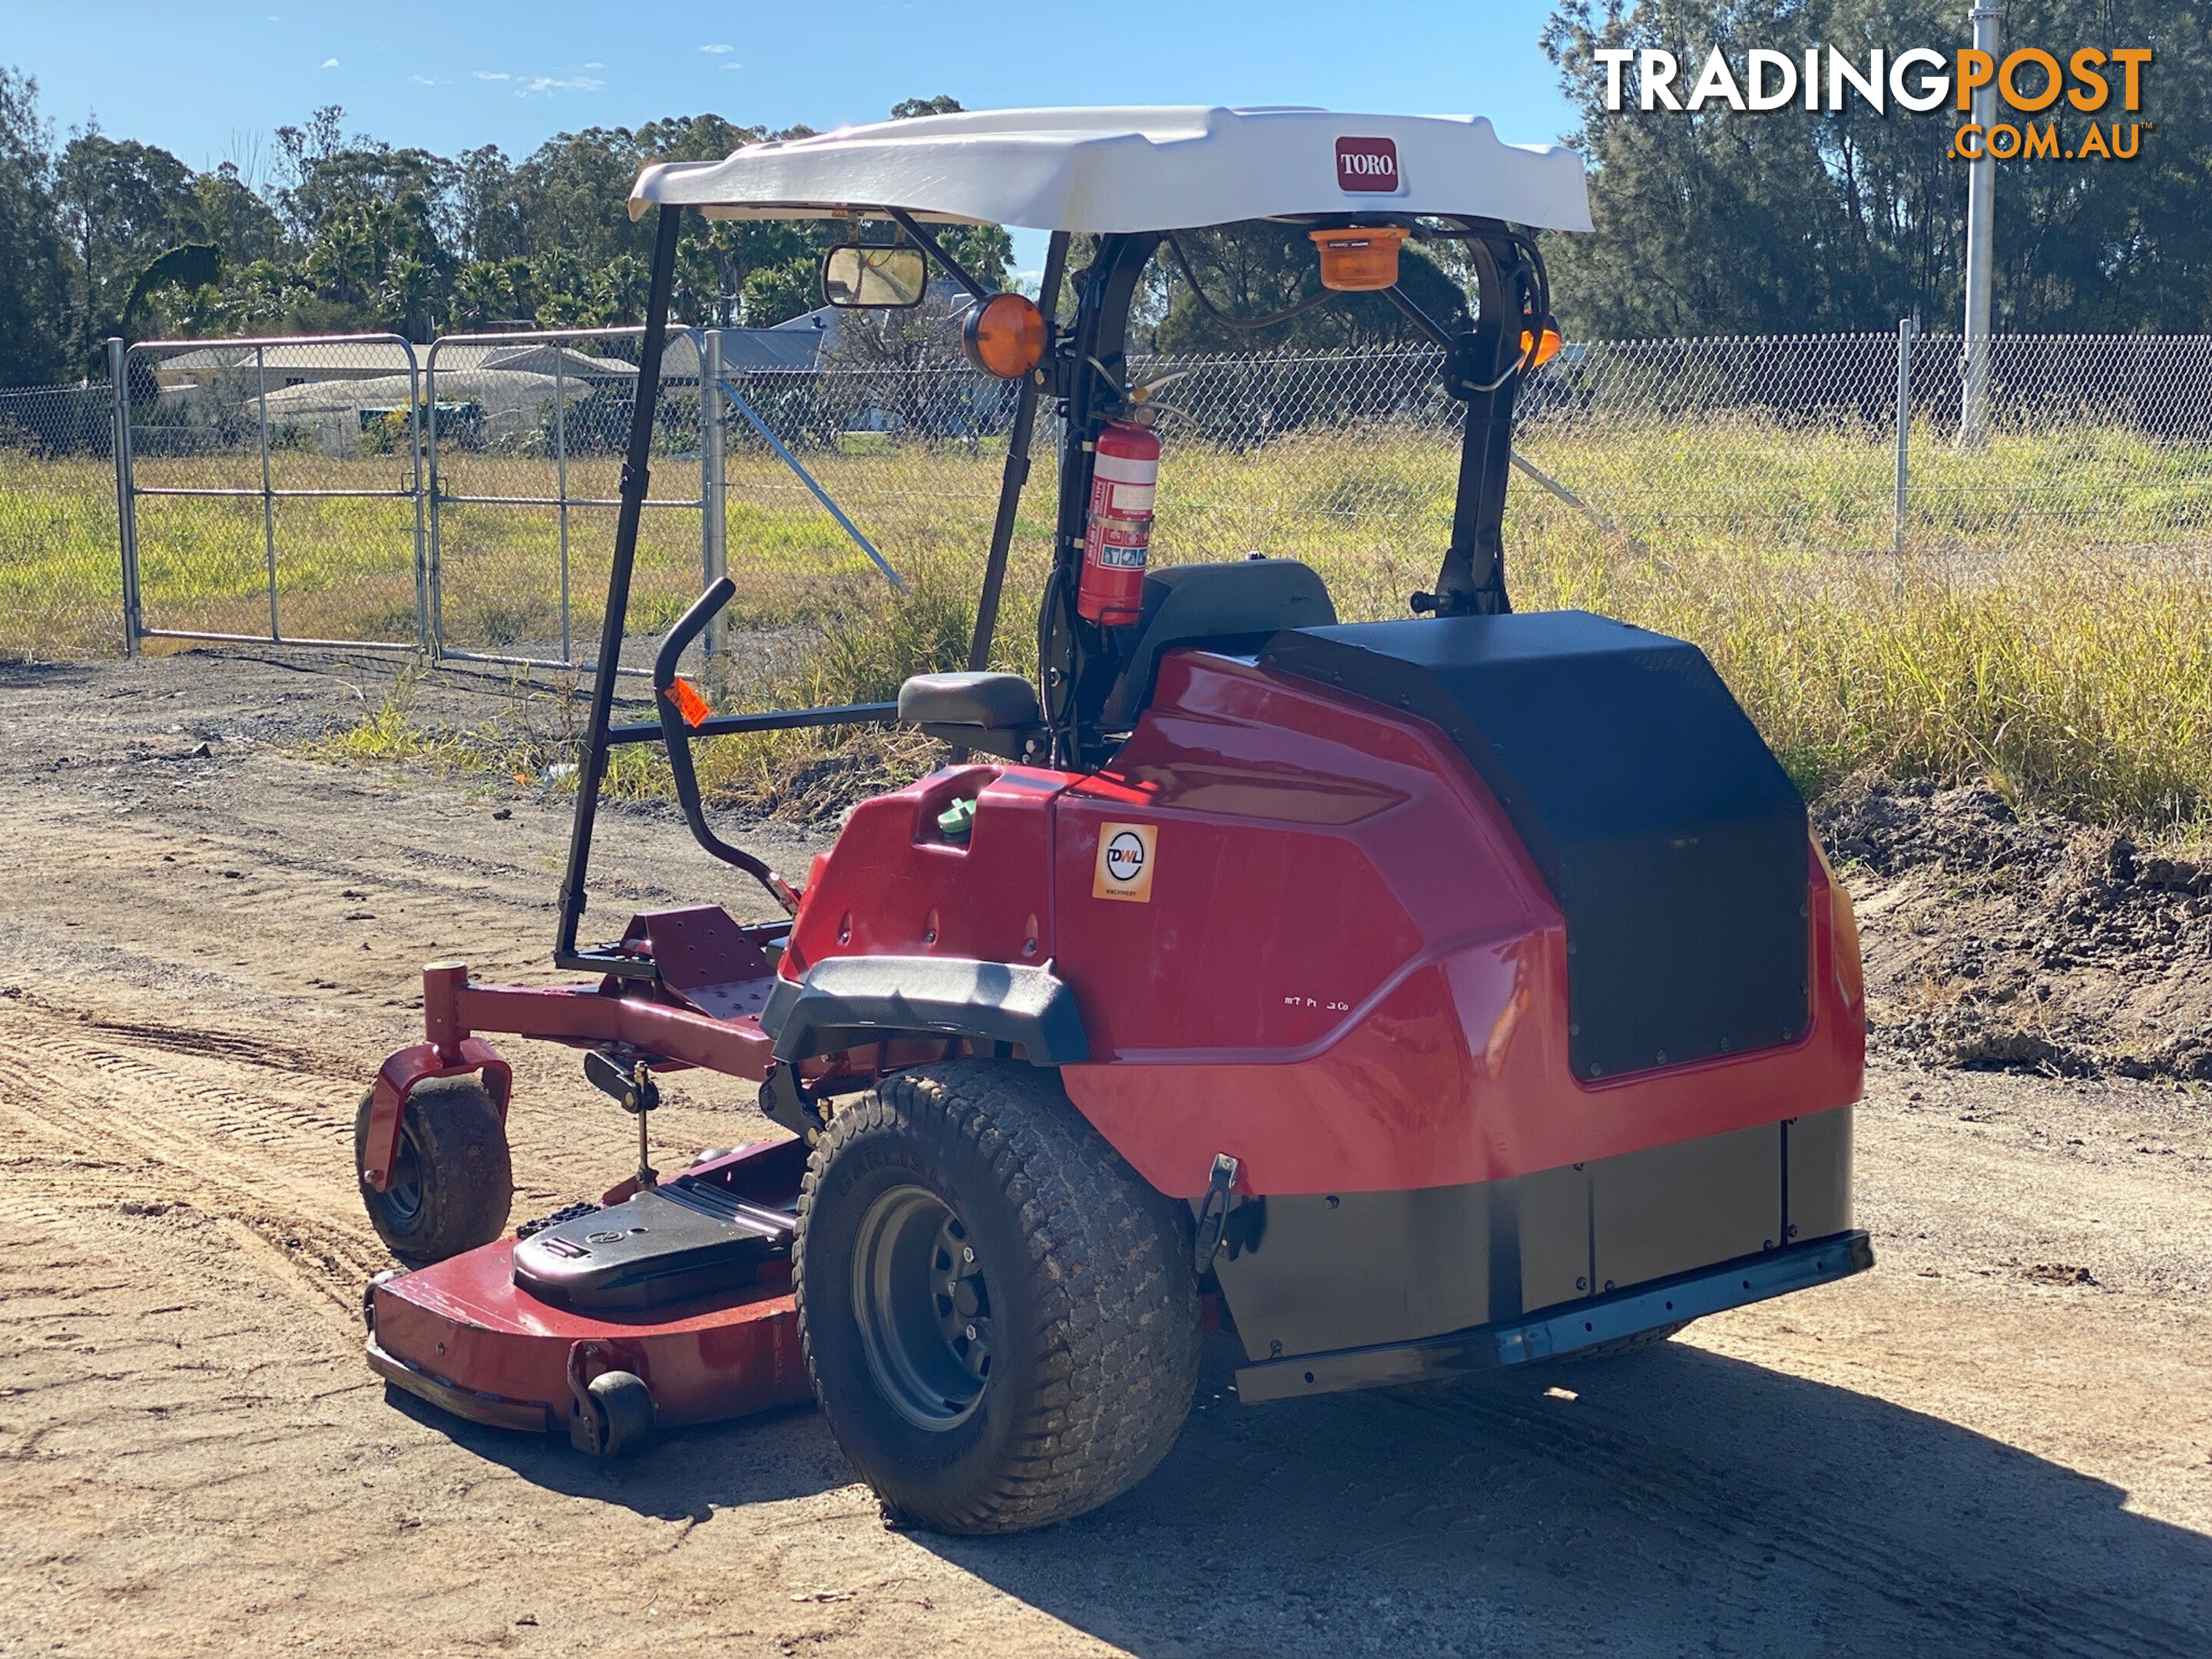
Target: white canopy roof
1166 168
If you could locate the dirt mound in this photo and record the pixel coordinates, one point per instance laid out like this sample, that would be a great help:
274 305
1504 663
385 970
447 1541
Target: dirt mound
2000 938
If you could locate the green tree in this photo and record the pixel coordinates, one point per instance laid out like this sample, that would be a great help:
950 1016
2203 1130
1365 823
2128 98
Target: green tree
777 294
717 259
488 291
1728 222
356 234
485 214
262 298
31 273
233 218
122 204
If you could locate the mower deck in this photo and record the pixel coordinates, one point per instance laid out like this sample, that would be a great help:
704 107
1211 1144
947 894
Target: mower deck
466 1336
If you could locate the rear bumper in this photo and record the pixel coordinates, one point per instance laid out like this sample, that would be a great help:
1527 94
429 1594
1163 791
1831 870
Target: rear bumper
1562 1330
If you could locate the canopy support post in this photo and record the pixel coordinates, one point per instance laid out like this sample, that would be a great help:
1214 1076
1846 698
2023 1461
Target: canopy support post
1018 462
592 763
1484 373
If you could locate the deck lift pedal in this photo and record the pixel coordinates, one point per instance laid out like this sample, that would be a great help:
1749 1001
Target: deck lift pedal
1412 998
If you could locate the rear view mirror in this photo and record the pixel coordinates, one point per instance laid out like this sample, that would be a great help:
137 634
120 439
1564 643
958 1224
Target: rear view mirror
859 278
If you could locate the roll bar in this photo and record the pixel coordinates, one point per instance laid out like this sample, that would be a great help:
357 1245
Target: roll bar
1078 660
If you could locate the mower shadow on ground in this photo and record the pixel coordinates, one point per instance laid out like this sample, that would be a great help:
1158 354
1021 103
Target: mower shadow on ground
687 1475
1681 1499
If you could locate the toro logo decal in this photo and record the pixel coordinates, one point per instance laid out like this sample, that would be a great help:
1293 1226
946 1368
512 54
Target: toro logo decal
1368 166
1124 862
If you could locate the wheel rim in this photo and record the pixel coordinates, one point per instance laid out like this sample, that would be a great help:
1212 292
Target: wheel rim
924 1307
403 1194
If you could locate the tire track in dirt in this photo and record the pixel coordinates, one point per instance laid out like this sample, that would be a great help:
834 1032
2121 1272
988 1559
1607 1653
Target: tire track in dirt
276 1164
287 1055
1978 1606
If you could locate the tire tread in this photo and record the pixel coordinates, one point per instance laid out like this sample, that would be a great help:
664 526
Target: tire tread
1119 1308
459 1130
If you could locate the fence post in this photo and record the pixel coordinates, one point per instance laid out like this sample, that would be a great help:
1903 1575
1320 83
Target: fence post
1904 333
126 504
268 491
561 487
713 527
433 639
418 416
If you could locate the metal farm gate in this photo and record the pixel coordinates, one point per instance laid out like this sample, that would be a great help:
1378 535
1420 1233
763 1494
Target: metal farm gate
266 488
344 491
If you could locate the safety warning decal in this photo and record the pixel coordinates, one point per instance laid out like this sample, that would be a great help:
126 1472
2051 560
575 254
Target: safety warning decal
1124 862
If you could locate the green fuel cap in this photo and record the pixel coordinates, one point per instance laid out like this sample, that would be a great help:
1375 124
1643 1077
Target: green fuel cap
956 820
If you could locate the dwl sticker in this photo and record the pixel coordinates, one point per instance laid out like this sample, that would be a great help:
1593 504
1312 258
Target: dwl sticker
1124 862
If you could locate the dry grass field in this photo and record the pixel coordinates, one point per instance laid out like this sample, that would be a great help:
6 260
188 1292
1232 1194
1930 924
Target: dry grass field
2044 629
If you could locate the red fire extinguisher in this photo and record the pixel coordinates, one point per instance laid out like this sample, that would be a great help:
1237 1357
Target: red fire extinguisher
1120 528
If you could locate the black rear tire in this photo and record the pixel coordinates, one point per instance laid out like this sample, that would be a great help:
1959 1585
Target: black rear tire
453 1180
999 1315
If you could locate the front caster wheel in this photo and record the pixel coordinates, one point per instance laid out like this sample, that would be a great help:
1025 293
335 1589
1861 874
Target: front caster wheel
623 1416
452 1181
999 1314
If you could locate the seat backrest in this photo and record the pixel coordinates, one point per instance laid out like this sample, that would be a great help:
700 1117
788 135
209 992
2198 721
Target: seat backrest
1231 607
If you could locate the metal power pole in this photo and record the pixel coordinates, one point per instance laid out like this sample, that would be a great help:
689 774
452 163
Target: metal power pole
1987 19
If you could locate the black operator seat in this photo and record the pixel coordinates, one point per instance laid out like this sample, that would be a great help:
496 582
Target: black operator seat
992 714
1235 607
1232 607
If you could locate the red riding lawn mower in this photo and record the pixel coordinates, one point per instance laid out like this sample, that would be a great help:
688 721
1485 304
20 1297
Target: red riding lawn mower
1411 999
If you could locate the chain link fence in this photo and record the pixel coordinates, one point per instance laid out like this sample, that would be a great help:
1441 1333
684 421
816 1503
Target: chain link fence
526 438
2092 441
61 580
461 497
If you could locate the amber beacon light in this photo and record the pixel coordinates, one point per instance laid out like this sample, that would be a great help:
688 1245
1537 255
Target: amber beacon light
1005 336
1358 261
1541 344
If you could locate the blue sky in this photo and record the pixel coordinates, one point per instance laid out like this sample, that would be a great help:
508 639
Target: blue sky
211 80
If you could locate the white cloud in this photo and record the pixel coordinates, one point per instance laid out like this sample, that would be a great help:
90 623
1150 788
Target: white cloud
726 67
719 47
589 66
423 81
545 86
330 62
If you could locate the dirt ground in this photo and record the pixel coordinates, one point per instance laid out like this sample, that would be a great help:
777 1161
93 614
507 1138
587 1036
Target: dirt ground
1996 938
2000 1441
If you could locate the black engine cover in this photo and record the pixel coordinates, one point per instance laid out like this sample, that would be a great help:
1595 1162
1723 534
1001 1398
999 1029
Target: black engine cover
681 1239
1671 838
